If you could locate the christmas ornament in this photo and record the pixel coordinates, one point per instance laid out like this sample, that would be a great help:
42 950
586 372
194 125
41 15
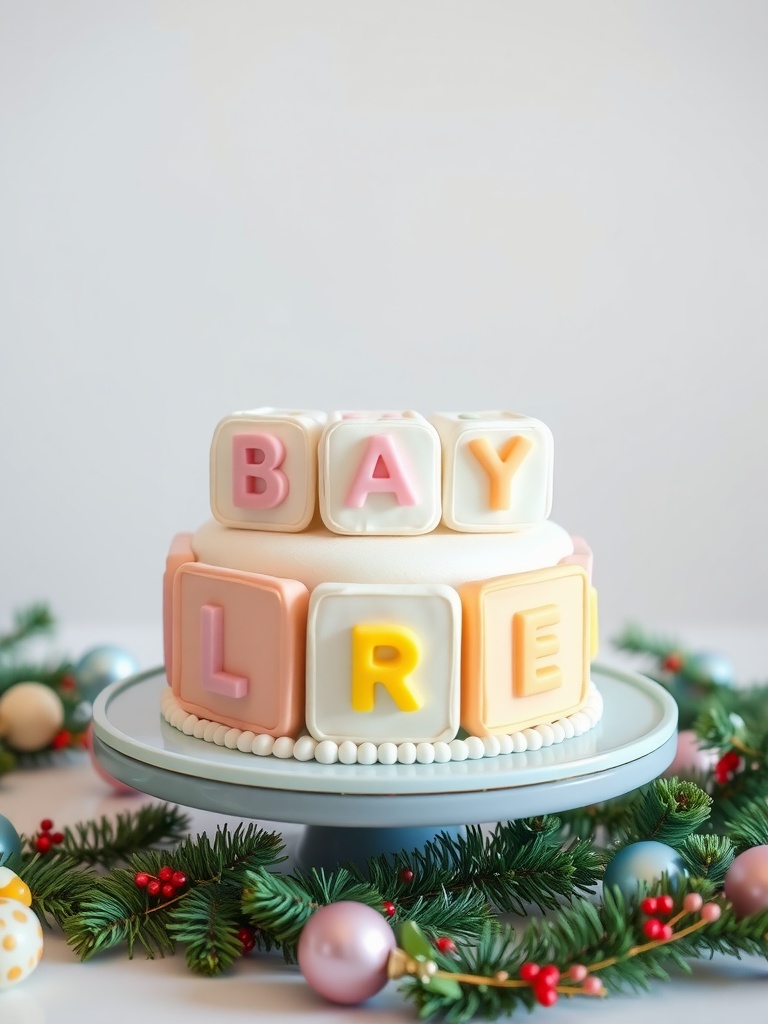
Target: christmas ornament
31 714
14 888
343 951
10 843
21 942
639 865
691 760
101 666
116 785
746 881
706 667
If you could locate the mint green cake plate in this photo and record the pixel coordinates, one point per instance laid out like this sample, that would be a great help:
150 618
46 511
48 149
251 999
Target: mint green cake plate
355 811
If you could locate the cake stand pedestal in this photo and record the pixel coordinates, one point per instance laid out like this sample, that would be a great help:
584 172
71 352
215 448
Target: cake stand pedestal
355 811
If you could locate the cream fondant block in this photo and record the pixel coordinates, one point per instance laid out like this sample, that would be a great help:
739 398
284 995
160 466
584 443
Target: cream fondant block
179 553
383 663
525 649
238 648
497 470
264 469
379 474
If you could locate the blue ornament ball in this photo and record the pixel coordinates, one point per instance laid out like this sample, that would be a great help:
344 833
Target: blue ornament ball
101 666
638 866
10 843
707 667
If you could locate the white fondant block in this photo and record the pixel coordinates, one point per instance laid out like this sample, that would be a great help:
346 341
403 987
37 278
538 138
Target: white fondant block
264 469
383 663
497 470
379 473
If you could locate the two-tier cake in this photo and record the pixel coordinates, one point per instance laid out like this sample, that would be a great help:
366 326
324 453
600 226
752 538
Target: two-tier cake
380 587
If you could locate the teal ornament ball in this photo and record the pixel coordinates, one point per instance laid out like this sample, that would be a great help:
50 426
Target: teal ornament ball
637 867
706 667
10 843
101 666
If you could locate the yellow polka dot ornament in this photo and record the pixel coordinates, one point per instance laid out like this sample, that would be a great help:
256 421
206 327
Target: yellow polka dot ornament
21 936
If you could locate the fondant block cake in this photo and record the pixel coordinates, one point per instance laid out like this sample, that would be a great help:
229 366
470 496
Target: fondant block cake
380 587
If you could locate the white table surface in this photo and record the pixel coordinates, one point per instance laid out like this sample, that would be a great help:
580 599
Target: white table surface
112 989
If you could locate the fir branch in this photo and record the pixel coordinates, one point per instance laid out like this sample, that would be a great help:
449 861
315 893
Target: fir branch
105 843
59 884
637 640
118 911
279 906
707 857
207 923
27 623
667 810
749 827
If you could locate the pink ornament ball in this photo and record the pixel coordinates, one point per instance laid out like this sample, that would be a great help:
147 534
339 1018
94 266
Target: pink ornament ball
690 759
119 787
343 952
746 882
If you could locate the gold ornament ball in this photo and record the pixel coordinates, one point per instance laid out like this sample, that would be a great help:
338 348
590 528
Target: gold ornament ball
31 714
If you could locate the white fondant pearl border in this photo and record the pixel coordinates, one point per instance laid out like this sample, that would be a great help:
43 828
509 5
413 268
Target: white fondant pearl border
305 748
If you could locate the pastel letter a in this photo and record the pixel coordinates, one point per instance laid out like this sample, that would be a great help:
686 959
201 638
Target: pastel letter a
381 470
212 675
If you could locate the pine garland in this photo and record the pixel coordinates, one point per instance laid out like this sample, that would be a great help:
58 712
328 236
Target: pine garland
230 887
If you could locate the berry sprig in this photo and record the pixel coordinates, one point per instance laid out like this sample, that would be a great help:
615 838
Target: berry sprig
549 981
165 885
44 840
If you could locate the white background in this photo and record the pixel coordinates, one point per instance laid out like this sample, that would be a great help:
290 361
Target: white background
558 208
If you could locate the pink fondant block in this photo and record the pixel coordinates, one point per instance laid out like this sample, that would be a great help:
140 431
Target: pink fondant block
180 552
242 663
525 649
582 555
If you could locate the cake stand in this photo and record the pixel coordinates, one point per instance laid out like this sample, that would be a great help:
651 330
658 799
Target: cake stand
355 811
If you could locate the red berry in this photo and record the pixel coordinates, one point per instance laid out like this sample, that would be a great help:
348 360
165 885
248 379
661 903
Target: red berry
61 740
46 825
666 904
666 932
529 971
43 843
247 937
445 945
545 994
141 878
673 662
178 880
57 837
389 908
649 905
165 874
652 929
406 875
168 890
153 887
548 975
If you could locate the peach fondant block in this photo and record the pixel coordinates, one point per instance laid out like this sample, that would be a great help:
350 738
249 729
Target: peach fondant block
179 553
525 649
264 469
238 648
497 470
379 473
383 662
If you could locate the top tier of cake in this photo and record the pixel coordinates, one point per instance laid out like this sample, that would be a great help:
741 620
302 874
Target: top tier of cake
381 473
